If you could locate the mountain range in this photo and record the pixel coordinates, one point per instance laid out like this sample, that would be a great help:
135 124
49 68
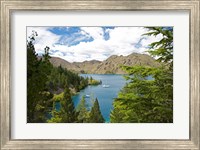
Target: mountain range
109 66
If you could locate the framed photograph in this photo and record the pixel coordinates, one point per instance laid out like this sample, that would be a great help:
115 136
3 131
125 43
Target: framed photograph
99 74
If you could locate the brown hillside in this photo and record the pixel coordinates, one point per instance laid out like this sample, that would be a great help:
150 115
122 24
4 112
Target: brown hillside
110 65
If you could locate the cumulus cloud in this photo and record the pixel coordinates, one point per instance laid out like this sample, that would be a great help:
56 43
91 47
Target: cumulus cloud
94 32
44 38
121 41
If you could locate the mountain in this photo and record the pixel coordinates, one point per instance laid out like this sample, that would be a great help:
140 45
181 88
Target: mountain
65 64
113 63
108 66
79 67
88 66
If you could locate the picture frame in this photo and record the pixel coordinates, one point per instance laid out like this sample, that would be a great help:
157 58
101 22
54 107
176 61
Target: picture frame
8 6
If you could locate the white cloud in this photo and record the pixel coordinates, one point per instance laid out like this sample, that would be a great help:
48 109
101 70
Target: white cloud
44 38
150 39
122 41
94 32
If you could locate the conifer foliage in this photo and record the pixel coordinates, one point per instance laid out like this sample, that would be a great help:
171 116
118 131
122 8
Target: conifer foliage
148 96
83 113
68 113
37 76
43 80
95 114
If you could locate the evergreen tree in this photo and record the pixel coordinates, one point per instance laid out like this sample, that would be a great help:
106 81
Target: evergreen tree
68 113
83 114
95 114
37 96
32 65
59 77
42 80
46 56
163 49
148 97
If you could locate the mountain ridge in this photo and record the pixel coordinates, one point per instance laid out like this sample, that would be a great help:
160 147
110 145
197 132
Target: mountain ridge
109 66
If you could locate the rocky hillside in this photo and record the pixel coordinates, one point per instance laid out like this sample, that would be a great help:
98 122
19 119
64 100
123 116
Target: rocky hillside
79 67
113 63
110 65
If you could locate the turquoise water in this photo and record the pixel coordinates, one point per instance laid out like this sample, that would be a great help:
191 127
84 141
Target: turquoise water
105 96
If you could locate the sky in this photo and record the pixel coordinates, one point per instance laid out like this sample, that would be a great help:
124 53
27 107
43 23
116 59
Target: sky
78 44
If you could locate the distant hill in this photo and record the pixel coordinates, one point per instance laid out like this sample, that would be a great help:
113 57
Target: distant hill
110 65
79 67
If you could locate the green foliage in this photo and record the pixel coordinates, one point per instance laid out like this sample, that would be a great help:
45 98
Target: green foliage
148 97
143 99
68 113
46 56
162 49
92 81
38 99
83 114
95 113
58 97
61 77
56 117
42 80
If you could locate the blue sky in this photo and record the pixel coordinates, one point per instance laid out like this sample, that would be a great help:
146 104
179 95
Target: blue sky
78 44
70 36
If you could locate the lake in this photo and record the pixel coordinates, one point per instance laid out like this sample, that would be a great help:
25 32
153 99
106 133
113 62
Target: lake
105 95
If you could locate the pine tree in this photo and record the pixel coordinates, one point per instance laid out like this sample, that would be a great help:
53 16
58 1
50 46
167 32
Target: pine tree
144 99
95 114
32 90
83 114
68 113
42 80
38 70
37 96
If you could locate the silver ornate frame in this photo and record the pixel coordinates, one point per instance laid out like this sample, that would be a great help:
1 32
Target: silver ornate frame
7 6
